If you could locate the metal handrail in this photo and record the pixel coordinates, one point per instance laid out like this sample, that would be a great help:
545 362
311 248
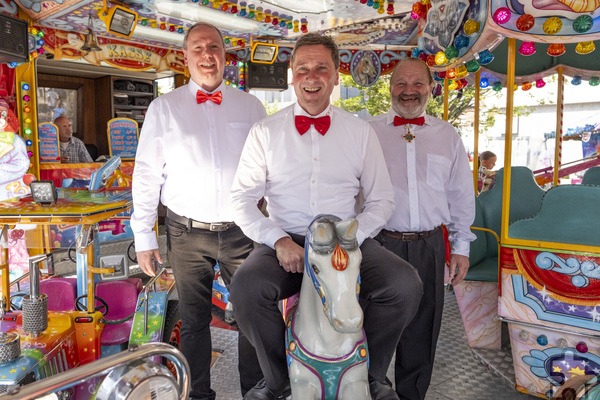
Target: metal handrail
83 373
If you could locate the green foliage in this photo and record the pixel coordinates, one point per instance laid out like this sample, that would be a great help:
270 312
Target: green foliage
376 100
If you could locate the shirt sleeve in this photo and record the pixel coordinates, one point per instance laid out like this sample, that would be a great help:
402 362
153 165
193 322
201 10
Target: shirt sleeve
249 187
376 187
461 203
147 180
83 154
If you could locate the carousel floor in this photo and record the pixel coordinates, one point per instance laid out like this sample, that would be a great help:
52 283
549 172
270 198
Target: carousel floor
460 373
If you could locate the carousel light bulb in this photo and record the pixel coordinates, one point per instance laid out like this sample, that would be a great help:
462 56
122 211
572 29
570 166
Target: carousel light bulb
451 52
556 49
25 86
525 22
542 340
527 48
452 85
471 26
594 81
552 26
440 58
430 60
501 15
461 41
438 90
526 86
497 86
484 83
451 73
576 80
485 57
473 66
461 71
583 23
581 347
416 52
540 83
585 47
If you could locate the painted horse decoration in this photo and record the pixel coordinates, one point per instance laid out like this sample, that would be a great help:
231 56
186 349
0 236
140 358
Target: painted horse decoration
326 345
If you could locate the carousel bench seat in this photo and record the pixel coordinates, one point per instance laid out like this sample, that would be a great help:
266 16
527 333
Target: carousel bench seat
591 176
572 212
477 295
526 199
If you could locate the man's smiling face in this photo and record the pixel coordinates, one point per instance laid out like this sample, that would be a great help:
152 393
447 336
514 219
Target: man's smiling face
313 76
205 57
410 88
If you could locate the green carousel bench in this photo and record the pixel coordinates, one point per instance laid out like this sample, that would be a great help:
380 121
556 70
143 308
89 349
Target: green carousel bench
477 295
591 176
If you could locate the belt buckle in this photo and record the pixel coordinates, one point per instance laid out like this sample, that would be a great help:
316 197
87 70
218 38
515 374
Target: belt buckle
410 236
218 227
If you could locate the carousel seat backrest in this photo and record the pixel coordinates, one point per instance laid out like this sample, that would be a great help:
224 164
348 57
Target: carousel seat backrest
121 297
591 176
526 198
569 214
61 293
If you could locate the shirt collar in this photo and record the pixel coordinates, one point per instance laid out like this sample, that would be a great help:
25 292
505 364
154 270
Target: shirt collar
300 111
391 114
194 87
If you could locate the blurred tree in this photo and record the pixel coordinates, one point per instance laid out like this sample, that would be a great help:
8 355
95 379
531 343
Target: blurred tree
376 100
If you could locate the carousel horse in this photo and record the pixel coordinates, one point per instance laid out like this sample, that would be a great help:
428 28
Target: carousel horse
326 345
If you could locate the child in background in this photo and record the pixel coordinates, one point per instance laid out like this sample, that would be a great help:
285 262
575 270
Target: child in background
487 177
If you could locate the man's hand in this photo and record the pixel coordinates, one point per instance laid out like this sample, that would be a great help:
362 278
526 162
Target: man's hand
459 266
289 254
146 260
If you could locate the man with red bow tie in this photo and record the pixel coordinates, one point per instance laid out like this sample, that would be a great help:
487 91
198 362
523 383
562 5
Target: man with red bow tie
312 158
188 152
433 186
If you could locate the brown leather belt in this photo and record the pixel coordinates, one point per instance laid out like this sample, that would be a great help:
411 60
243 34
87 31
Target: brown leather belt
409 236
193 224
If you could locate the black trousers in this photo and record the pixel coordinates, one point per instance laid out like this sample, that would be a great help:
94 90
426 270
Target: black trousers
415 353
390 289
192 255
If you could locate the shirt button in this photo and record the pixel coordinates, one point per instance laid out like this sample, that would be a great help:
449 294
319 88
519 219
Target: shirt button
313 203
315 159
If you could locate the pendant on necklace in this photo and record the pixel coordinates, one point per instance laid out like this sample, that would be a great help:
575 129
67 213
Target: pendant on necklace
408 136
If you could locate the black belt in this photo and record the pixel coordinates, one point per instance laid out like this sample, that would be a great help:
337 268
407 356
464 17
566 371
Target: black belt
193 224
409 236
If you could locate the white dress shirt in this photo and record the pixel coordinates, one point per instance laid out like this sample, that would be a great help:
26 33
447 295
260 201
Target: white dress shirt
188 154
302 176
432 179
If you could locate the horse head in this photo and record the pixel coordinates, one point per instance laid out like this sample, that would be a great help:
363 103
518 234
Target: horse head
332 261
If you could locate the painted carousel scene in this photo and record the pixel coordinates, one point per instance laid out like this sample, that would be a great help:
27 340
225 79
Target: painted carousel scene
198 202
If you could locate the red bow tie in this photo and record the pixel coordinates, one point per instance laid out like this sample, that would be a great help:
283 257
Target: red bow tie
321 124
403 121
202 97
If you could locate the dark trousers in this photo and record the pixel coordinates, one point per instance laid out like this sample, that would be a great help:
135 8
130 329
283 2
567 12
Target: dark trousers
192 255
390 289
415 353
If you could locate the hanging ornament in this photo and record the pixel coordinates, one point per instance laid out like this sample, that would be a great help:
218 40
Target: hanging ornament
472 66
452 85
425 58
471 26
497 86
583 23
556 49
594 81
501 15
484 83
527 48
540 83
451 73
485 57
526 86
416 52
525 22
552 26
585 47
438 90
576 80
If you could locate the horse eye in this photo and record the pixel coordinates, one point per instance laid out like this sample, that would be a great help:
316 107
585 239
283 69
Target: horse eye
316 269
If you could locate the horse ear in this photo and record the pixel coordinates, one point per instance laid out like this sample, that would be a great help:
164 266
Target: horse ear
322 234
346 230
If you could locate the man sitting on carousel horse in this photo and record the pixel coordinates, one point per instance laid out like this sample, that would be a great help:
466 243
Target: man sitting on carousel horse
312 158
